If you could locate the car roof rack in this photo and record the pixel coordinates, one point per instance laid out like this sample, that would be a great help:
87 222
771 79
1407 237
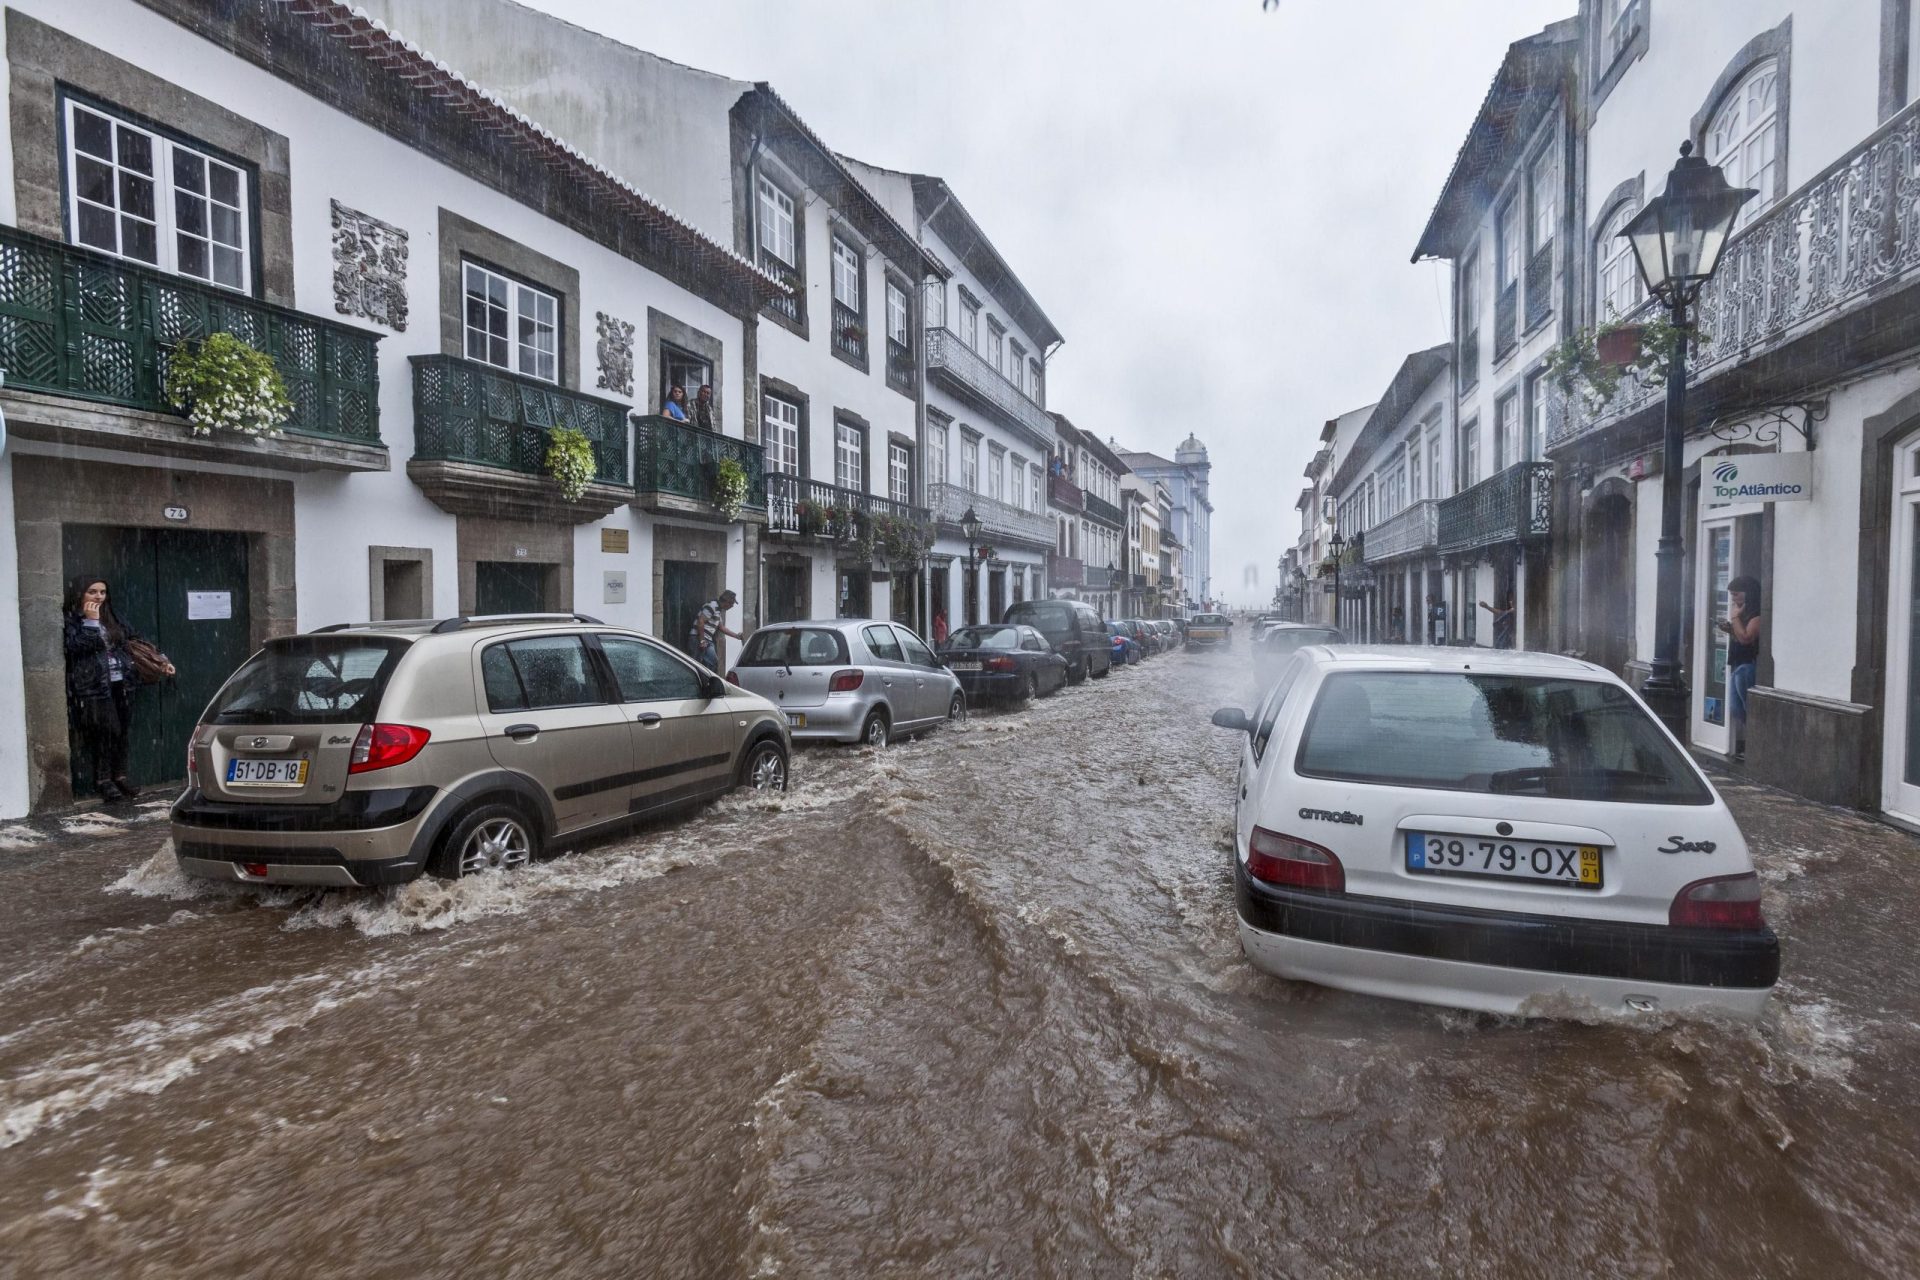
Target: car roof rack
490 619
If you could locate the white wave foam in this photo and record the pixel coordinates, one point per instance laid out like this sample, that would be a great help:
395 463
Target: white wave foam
20 837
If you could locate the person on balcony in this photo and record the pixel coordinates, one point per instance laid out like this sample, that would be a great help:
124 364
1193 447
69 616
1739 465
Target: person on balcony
703 408
676 405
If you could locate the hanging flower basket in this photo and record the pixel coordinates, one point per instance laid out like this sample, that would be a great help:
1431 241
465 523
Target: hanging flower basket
1619 346
729 488
223 384
570 461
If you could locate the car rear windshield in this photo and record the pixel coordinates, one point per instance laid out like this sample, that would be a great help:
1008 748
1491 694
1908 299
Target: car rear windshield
1207 620
985 638
309 680
1054 621
795 647
1496 734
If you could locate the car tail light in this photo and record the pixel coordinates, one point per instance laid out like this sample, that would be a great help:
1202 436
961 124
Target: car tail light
193 756
1277 859
999 664
733 677
1719 902
381 746
846 681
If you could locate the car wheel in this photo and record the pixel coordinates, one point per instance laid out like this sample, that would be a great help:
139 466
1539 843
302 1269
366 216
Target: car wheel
492 837
1077 671
1033 686
957 709
877 730
765 767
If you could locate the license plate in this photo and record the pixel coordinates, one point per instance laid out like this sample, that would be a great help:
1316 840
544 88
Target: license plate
966 666
1575 865
796 720
267 773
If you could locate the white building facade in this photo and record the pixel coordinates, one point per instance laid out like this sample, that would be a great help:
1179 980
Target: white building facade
436 307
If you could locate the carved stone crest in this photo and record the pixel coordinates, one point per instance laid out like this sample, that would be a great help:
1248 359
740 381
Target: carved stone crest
369 268
615 352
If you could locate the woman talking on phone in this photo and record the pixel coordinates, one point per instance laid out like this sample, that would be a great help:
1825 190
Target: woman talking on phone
101 674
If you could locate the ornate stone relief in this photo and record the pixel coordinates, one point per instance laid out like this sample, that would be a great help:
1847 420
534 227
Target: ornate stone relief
369 268
615 352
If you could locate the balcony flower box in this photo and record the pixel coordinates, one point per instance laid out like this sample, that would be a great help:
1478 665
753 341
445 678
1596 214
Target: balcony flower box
1619 346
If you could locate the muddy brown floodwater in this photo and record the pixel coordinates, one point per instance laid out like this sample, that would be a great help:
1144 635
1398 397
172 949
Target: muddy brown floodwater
972 1005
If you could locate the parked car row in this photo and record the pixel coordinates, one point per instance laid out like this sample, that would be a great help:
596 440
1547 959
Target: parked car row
373 754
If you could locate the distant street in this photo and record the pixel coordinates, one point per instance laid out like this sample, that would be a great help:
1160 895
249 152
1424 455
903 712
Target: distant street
970 1005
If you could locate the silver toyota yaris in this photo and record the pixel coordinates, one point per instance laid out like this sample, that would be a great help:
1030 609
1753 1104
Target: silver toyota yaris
849 679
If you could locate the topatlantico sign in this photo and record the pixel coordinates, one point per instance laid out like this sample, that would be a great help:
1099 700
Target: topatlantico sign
1759 477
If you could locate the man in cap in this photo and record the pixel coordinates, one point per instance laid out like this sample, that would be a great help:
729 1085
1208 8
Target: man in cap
708 624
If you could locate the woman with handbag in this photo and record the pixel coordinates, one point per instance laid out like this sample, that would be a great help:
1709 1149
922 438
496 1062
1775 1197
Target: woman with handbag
104 661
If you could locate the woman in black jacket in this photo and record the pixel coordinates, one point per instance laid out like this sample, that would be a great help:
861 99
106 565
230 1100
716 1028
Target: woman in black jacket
100 682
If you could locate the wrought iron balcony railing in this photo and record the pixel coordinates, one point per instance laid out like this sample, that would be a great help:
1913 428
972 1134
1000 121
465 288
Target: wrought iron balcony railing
1506 315
1846 239
816 509
900 371
78 323
681 460
464 411
968 374
1102 510
849 334
787 305
1065 571
998 520
1515 505
1410 531
1062 492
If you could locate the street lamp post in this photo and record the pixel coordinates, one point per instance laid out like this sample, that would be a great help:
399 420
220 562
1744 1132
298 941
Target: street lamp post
970 525
1677 240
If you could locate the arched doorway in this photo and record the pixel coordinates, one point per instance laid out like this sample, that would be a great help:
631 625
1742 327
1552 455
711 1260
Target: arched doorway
1606 577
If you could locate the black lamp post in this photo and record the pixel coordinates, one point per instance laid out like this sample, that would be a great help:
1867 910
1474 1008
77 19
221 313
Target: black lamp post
970 525
1677 240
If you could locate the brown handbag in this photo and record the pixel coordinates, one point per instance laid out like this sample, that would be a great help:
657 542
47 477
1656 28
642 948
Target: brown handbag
149 664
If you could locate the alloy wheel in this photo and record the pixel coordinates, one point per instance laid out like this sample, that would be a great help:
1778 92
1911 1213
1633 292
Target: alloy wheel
768 772
497 845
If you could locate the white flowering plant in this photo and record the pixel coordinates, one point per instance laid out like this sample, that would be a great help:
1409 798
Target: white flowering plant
570 461
223 384
729 488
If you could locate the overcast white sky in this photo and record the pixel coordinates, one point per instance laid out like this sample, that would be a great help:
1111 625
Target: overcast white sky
1215 204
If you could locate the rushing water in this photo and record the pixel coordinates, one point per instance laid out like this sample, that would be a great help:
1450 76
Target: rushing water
970 1005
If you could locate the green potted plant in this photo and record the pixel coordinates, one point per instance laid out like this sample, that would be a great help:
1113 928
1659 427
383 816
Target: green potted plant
570 461
1589 364
729 488
223 384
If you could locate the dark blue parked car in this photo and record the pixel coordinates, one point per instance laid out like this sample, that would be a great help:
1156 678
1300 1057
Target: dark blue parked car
1003 661
1125 648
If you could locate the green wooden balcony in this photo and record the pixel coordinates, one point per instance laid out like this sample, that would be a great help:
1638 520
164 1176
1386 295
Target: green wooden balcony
674 464
480 442
76 325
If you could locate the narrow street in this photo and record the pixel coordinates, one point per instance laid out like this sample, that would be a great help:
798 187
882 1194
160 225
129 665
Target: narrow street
973 1004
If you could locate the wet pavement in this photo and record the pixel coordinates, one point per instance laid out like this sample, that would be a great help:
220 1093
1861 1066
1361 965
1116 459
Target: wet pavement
970 1005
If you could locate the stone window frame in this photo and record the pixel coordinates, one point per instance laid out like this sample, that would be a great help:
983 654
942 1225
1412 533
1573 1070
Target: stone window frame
1606 73
1778 45
898 440
378 558
664 330
515 299
1632 190
44 64
840 234
461 239
848 418
940 424
780 389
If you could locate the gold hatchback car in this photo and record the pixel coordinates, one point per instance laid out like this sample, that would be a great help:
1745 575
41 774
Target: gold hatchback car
362 755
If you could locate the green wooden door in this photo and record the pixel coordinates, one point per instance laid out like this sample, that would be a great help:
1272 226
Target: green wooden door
509 586
685 586
186 590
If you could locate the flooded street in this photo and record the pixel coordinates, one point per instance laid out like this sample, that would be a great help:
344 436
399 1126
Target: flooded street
928 1014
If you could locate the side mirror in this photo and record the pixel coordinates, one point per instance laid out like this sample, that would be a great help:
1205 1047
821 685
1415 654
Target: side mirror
715 687
1232 718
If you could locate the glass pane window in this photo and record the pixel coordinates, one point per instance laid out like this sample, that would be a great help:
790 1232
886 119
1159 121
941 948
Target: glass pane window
936 451
1507 423
1744 136
648 673
1034 489
970 323
776 222
848 471
137 195
896 313
846 275
1413 471
996 472
510 325
1541 200
1618 280
1537 416
996 344
899 473
1016 364
1507 243
936 304
780 432
970 463
1470 296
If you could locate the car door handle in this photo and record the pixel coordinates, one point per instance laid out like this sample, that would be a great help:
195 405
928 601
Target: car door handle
523 732
648 719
